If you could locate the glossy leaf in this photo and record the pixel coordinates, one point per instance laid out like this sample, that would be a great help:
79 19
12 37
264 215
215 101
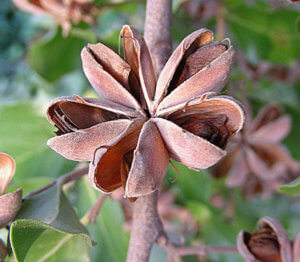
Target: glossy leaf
28 132
108 232
47 211
271 35
53 56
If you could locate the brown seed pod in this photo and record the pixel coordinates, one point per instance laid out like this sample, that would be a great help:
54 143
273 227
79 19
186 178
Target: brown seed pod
130 134
268 244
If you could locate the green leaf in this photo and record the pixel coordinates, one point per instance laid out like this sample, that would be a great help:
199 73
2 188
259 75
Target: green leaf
292 188
176 4
29 184
48 217
53 56
190 184
108 232
270 36
23 134
200 211
35 241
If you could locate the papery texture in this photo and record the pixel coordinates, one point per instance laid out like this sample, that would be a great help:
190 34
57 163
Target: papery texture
268 244
7 171
9 206
131 133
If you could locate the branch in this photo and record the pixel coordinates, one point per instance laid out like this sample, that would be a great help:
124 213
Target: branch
146 227
73 175
146 224
157 31
175 252
221 28
92 214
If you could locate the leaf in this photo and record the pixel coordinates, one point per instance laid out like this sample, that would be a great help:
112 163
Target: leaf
43 214
201 212
292 188
108 232
23 134
110 23
190 182
176 4
270 36
35 241
53 56
29 184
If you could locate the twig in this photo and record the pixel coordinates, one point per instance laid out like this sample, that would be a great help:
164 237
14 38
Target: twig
146 227
158 31
73 175
118 4
92 214
220 30
175 252
146 224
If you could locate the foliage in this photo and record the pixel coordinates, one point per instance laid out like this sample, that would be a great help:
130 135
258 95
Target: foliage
37 64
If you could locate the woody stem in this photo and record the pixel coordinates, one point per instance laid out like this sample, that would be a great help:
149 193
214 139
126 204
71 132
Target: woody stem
158 31
146 227
146 224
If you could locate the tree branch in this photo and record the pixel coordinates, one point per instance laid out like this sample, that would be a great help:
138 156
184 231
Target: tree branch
175 252
157 31
220 27
146 227
92 214
146 224
73 175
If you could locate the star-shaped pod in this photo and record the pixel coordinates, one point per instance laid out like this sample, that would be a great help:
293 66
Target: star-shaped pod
129 135
63 11
256 161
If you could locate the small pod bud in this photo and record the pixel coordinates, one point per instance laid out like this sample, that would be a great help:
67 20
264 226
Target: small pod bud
268 244
9 206
7 170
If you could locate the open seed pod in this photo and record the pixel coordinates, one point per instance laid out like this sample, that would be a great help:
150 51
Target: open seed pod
7 171
141 122
9 203
9 206
269 243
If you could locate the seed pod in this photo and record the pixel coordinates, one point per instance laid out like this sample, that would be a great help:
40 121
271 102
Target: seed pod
268 244
7 170
9 206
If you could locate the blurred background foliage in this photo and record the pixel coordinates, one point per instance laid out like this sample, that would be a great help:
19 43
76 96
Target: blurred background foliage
38 64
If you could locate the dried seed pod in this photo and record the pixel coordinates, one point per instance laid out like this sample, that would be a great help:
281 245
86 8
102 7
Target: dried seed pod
256 161
7 170
268 244
126 135
9 206
195 60
64 12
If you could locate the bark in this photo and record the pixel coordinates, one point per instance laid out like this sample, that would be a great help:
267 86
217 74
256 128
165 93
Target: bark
158 31
146 227
146 224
